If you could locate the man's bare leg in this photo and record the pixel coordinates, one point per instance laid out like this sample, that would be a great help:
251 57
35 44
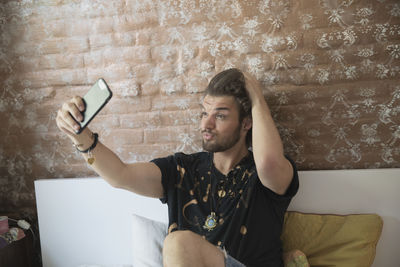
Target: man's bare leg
185 248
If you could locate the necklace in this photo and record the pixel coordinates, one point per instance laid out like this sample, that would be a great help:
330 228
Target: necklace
212 220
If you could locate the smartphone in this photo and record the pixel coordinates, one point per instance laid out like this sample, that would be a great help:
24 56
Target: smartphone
94 100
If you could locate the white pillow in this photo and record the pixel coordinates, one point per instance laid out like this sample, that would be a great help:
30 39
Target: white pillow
102 265
148 238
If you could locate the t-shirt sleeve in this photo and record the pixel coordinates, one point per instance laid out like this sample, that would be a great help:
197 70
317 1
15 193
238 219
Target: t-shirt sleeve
168 168
293 187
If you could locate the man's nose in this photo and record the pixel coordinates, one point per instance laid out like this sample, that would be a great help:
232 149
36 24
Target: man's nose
208 122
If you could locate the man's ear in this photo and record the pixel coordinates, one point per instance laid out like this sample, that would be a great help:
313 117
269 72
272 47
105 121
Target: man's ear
247 123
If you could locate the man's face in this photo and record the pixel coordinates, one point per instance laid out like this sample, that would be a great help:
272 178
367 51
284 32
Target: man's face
220 126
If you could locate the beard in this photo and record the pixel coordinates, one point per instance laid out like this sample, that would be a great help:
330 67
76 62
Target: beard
228 142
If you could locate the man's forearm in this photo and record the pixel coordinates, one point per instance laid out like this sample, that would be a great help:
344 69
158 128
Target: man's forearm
143 178
105 162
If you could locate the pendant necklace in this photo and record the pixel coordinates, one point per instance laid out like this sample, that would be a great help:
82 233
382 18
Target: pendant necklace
211 221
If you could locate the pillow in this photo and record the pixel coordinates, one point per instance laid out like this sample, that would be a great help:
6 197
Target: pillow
148 238
102 265
333 240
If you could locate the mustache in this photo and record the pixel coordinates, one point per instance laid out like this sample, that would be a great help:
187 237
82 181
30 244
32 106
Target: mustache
207 131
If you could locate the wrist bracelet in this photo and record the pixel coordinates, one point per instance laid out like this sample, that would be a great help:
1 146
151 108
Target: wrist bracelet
95 139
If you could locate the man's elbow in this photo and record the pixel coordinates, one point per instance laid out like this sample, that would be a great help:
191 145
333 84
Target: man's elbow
276 174
270 164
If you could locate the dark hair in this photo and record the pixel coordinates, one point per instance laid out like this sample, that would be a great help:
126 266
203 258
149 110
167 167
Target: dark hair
231 82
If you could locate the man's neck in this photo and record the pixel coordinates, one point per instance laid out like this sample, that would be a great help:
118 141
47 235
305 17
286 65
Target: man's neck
226 160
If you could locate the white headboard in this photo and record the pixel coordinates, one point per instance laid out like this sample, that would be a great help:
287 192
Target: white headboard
86 221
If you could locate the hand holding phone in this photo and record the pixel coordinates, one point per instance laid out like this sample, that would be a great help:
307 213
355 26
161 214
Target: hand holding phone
78 112
97 97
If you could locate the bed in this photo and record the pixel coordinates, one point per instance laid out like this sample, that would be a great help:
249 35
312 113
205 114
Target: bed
85 222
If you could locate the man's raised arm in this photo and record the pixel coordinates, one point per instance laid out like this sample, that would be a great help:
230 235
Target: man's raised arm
274 170
141 178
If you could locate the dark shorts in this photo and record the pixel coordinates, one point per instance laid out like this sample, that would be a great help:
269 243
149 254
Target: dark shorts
231 262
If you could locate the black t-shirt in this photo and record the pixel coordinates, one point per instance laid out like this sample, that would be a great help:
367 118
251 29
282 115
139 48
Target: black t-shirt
249 215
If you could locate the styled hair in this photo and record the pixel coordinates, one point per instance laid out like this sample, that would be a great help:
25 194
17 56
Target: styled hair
231 82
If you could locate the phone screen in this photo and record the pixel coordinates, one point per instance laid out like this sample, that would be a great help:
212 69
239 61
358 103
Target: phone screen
95 100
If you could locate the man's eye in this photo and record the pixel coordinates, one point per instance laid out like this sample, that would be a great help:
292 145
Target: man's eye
203 115
220 116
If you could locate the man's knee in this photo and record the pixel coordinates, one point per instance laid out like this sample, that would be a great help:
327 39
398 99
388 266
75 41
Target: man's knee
187 247
180 240
179 248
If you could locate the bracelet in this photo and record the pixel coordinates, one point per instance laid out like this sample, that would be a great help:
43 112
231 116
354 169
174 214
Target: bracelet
95 139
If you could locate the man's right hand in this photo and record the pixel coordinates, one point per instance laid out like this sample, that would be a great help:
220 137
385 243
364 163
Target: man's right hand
67 121
69 114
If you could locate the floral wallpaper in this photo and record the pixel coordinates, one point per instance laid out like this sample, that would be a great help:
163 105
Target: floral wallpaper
330 71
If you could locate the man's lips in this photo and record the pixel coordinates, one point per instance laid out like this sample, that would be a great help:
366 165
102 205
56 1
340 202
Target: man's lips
207 136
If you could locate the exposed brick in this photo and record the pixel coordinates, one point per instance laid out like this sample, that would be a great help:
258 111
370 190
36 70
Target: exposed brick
155 74
164 53
53 61
143 37
195 84
164 134
102 121
181 117
129 22
99 58
135 55
125 88
100 25
58 77
97 41
66 92
128 105
121 137
141 120
110 73
144 152
149 89
42 124
194 131
64 45
114 40
85 26
173 102
43 110
34 31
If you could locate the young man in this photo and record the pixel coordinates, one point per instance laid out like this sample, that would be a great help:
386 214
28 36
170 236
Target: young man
226 205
